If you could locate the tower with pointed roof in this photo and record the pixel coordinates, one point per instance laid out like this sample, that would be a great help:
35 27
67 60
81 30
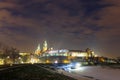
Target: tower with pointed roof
45 46
38 50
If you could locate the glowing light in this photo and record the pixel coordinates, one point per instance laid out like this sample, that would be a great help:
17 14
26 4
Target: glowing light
82 55
22 62
66 61
77 65
1 61
8 56
79 54
96 55
102 60
24 54
63 50
53 51
56 61
47 61
34 60
51 48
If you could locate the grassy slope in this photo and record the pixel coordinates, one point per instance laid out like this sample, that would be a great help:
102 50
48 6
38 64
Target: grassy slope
30 72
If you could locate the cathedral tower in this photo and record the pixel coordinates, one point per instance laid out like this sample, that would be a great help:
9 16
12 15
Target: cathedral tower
45 46
38 50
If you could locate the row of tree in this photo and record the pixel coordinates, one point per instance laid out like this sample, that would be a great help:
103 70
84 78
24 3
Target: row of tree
8 52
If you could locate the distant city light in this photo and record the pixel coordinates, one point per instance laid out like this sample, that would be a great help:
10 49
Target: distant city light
56 61
77 65
66 61
47 61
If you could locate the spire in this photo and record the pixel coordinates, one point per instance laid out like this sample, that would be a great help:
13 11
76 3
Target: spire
38 50
45 46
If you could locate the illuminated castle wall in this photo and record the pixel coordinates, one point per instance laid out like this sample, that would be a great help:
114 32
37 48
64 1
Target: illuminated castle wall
64 56
65 52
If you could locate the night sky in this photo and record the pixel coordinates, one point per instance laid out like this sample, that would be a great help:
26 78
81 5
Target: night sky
65 24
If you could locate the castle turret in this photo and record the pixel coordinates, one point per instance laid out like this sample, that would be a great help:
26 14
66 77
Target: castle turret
38 50
45 46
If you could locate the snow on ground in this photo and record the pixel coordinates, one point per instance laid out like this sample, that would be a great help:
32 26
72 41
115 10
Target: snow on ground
78 77
96 73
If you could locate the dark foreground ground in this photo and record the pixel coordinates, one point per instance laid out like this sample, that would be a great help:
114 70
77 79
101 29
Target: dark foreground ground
30 72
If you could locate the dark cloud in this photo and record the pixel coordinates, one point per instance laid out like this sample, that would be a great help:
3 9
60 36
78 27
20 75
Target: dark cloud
72 24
